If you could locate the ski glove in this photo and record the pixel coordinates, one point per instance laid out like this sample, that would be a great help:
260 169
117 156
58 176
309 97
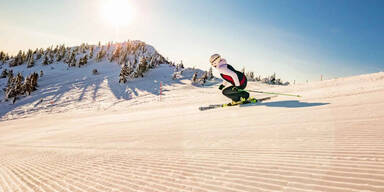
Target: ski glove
221 87
235 89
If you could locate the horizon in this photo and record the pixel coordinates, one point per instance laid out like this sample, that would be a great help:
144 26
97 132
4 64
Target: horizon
297 41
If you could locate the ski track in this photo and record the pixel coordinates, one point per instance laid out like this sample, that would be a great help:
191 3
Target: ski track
194 170
145 145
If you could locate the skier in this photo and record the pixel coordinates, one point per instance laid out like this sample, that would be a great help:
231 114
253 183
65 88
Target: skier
237 80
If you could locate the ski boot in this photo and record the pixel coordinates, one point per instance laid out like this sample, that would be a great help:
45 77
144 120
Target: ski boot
242 100
252 100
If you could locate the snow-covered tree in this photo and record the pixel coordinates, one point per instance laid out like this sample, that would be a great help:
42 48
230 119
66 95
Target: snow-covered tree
203 78
18 86
108 45
73 62
4 74
116 54
125 72
60 53
38 54
250 76
194 77
10 76
50 61
31 62
83 61
210 74
91 52
45 60
142 67
18 60
2 56
272 79
29 55
100 55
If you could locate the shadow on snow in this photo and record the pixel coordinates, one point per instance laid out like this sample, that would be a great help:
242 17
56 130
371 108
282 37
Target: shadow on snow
287 104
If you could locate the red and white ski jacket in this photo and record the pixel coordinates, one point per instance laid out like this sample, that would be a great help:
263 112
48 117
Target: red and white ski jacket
229 74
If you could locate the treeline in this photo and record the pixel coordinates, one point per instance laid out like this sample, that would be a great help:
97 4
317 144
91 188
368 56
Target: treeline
272 79
126 53
207 75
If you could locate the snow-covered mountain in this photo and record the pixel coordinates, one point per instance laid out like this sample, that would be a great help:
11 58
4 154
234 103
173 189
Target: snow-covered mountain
68 82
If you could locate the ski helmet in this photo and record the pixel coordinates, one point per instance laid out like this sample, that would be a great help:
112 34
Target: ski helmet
215 59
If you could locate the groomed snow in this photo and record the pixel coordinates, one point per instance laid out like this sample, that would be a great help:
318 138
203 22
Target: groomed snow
89 133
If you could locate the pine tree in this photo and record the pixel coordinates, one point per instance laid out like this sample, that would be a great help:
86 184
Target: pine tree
116 53
142 67
73 62
210 73
83 48
31 62
18 60
45 61
203 78
272 78
38 54
60 55
91 53
4 74
23 58
69 58
194 77
2 56
50 61
124 73
278 82
10 76
83 61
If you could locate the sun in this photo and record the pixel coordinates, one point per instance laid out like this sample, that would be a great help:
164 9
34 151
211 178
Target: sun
117 12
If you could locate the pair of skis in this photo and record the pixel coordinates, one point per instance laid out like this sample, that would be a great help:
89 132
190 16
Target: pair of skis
249 101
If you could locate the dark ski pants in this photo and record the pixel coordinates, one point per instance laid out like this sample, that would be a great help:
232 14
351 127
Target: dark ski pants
236 95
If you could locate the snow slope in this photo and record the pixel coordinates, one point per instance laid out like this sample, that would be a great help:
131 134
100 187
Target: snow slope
64 88
94 135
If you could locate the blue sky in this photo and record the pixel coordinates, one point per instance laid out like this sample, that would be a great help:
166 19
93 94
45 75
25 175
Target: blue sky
298 39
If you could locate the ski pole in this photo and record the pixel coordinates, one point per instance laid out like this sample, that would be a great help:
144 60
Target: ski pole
271 93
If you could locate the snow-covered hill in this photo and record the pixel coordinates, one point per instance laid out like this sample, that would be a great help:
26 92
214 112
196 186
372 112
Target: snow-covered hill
65 88
90 133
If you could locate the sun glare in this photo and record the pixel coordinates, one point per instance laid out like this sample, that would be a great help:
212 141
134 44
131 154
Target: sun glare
117 12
